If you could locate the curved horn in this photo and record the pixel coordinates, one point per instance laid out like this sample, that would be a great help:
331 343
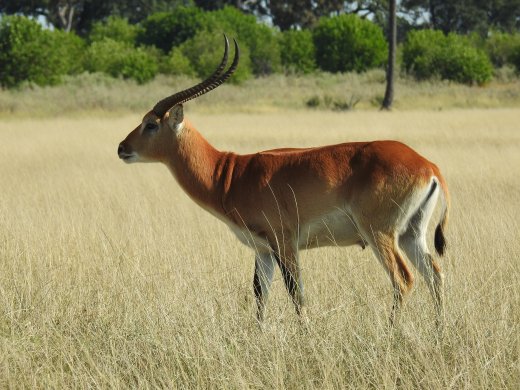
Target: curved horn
220 80
205 86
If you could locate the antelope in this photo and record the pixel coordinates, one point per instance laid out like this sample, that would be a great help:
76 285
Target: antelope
380 194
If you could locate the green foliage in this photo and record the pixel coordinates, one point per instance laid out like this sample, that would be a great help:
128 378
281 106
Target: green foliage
260 40
177 63
30 53
168 29
264 49
298 51
464 63
115 28
501 48
65 52
348 43
430 53
204 52
119 59
421 52
515 58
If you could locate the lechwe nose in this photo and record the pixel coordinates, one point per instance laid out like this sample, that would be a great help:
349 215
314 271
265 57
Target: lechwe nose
120 149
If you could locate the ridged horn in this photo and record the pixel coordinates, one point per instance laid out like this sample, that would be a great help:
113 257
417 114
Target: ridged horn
203 87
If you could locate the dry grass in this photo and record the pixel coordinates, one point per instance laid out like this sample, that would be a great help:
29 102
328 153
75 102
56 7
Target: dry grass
111 277
87 94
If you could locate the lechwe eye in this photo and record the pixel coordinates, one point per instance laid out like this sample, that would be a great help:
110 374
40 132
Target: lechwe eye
150 127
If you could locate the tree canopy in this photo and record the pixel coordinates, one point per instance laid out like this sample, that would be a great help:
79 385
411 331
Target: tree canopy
460 40
460 16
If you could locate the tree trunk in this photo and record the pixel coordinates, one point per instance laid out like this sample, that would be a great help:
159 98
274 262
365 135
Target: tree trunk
390 69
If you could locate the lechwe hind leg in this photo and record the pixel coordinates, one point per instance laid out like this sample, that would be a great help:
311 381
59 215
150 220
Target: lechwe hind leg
264 270
386 249
288 261
413 243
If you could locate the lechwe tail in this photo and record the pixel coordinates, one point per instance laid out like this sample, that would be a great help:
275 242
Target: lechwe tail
440 239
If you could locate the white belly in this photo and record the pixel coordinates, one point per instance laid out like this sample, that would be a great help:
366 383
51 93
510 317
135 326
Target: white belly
249 238
336 228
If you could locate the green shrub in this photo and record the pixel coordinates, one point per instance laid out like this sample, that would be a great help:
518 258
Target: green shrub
515 58
264 50
115 28
260 40
298 51
64 52
348 43
118 59
177 63
430 53
501 47
422 52
30 53
464 63
168 29
204 51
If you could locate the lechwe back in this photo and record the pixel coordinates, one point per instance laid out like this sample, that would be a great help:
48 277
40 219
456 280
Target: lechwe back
379 194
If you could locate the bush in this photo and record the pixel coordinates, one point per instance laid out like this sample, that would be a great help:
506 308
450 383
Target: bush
177 63
515 58
298 51
261 40
430 53
348 43
422 52
121 60
258 42
264 50
204 51
463 63
115 28
501 48
30 53
165 30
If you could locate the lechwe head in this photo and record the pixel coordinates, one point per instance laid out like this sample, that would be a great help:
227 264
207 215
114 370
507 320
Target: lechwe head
154 138
379 194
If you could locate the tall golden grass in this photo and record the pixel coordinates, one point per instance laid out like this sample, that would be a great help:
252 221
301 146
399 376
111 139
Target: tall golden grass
111 277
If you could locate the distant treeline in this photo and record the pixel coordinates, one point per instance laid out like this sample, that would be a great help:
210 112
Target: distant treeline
188 40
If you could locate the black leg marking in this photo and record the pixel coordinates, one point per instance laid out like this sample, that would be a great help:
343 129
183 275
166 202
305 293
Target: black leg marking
257 288
293 286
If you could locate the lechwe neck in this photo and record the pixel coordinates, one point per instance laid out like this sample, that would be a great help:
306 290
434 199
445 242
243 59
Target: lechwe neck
194 163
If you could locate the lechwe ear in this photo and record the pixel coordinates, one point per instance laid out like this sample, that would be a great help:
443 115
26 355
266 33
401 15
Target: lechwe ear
176 117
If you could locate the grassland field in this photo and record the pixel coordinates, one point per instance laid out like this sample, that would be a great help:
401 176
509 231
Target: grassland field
111 277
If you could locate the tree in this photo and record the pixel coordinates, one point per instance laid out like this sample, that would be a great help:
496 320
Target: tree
65 15
212 5
464 16
288 14
79 15
295 14
390 72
